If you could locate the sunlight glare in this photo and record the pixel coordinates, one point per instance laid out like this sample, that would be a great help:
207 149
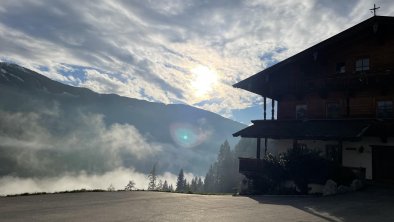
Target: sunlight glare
204 79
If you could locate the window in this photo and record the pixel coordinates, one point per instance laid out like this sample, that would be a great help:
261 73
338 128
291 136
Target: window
332 110
301 111
341 68
384 109
362 64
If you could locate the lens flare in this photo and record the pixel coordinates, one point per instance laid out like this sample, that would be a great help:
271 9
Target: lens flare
186 135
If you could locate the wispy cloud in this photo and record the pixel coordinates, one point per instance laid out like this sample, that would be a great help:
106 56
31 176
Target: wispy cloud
147 49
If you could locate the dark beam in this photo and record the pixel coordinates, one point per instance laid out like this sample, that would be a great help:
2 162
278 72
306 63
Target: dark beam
265 108
258 148
265 146
340 148
295 144
347 106
273 109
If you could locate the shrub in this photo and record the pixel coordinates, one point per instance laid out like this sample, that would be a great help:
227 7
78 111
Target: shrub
305 166
341 175
301 165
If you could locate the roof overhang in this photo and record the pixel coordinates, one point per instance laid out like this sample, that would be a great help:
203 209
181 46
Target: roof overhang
344 130
257 83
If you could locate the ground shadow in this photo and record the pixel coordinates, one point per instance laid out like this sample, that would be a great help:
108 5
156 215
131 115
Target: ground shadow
374 203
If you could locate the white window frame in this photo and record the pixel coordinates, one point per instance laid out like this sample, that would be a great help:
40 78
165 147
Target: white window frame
362 64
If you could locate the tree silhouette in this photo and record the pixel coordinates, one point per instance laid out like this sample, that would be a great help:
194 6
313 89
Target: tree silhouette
223 175
152 178
200 186
130 186
159 186
111 188
181 182
165 187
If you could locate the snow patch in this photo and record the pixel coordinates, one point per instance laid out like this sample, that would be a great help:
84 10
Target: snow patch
69 94
16 77
4 76
3 71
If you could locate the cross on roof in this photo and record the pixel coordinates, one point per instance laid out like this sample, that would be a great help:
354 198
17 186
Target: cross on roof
374 9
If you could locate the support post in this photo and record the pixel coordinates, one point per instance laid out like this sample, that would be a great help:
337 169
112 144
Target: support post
265 146
295 144
347 107
258 148
265 108
340 144
273 109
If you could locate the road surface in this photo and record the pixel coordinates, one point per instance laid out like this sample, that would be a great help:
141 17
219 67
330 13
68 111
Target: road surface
369 205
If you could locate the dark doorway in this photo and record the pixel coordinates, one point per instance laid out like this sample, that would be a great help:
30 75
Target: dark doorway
383 163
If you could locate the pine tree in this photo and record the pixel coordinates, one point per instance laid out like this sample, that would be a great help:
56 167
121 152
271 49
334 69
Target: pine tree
186 185
200 185
180 184
165 188
130 186
160 186
152 178
193 185
209 181
225 174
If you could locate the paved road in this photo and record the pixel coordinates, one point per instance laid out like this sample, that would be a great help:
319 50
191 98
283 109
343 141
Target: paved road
370 205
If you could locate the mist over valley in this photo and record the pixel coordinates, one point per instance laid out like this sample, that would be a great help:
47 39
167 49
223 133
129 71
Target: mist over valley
58 137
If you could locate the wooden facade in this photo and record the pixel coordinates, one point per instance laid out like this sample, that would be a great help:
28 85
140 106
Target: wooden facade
349 76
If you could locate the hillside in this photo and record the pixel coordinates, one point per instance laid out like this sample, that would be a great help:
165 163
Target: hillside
47 128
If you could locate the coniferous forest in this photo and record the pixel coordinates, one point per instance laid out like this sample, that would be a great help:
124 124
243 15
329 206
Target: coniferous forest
222 175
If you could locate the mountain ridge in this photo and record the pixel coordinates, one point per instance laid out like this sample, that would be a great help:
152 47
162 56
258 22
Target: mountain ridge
85 90
192 135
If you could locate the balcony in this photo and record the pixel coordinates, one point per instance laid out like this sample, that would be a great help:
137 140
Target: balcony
250 166
334 82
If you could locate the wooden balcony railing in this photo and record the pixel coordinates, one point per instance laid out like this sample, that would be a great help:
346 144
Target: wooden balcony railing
338 82
250 165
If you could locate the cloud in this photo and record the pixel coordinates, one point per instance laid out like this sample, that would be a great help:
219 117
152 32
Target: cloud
48 143
147 49
118 178
55 141
48 151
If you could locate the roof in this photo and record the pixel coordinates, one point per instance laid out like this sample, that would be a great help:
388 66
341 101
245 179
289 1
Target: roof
253 83
327 129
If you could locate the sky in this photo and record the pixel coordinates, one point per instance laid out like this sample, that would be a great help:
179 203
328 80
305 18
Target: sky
171 51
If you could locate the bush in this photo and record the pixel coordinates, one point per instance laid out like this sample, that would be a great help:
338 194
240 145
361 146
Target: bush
305 166
301 165
341 175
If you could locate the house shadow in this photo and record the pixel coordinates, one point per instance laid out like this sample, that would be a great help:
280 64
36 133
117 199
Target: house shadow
374 203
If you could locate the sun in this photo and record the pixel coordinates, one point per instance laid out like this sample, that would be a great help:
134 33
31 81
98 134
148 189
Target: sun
203 81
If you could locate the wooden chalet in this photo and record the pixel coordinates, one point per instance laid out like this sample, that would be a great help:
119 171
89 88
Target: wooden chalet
336 96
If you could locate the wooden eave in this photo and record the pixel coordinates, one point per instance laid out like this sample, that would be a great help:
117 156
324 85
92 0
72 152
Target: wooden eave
319 129
256 82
